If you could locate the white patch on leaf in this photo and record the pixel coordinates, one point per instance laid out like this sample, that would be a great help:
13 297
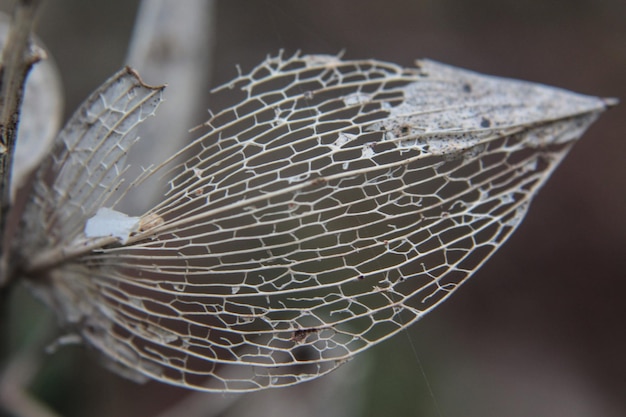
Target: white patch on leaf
109 222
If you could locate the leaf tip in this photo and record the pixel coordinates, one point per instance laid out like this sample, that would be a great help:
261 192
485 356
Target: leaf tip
610 101
141 82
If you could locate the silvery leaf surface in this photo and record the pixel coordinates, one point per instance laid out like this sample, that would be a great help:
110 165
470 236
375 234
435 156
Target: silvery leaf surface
333 205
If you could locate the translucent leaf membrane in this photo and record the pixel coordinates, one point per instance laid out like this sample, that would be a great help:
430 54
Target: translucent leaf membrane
335 204
85 170
40 121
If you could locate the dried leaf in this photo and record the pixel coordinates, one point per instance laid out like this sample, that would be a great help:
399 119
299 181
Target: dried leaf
335 204
86 168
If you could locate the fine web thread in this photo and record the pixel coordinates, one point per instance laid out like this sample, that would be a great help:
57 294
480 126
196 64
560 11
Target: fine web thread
429 387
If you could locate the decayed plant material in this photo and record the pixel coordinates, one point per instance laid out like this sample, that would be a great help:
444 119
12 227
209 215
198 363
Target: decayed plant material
333 205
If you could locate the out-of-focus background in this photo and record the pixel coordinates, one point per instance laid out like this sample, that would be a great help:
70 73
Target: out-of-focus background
538 331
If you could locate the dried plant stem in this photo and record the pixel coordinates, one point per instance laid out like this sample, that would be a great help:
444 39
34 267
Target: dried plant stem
17 59
13 382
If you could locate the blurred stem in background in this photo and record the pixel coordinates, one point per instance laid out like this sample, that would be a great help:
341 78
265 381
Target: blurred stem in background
170 45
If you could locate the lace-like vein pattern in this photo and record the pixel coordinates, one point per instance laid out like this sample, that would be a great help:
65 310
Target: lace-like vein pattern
87 166
333 205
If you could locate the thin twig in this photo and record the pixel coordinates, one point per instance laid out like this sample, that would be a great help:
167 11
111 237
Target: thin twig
14 397
17 59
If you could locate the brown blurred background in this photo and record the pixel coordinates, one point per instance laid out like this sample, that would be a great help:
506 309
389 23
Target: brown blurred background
539 331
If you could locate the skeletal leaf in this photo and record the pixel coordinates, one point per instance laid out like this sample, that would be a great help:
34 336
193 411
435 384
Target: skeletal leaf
86 169
335 204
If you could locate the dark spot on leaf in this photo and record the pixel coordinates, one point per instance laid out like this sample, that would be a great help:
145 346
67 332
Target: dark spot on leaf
300 335
318 181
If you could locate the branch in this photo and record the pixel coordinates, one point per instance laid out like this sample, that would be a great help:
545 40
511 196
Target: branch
18 57
14 397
